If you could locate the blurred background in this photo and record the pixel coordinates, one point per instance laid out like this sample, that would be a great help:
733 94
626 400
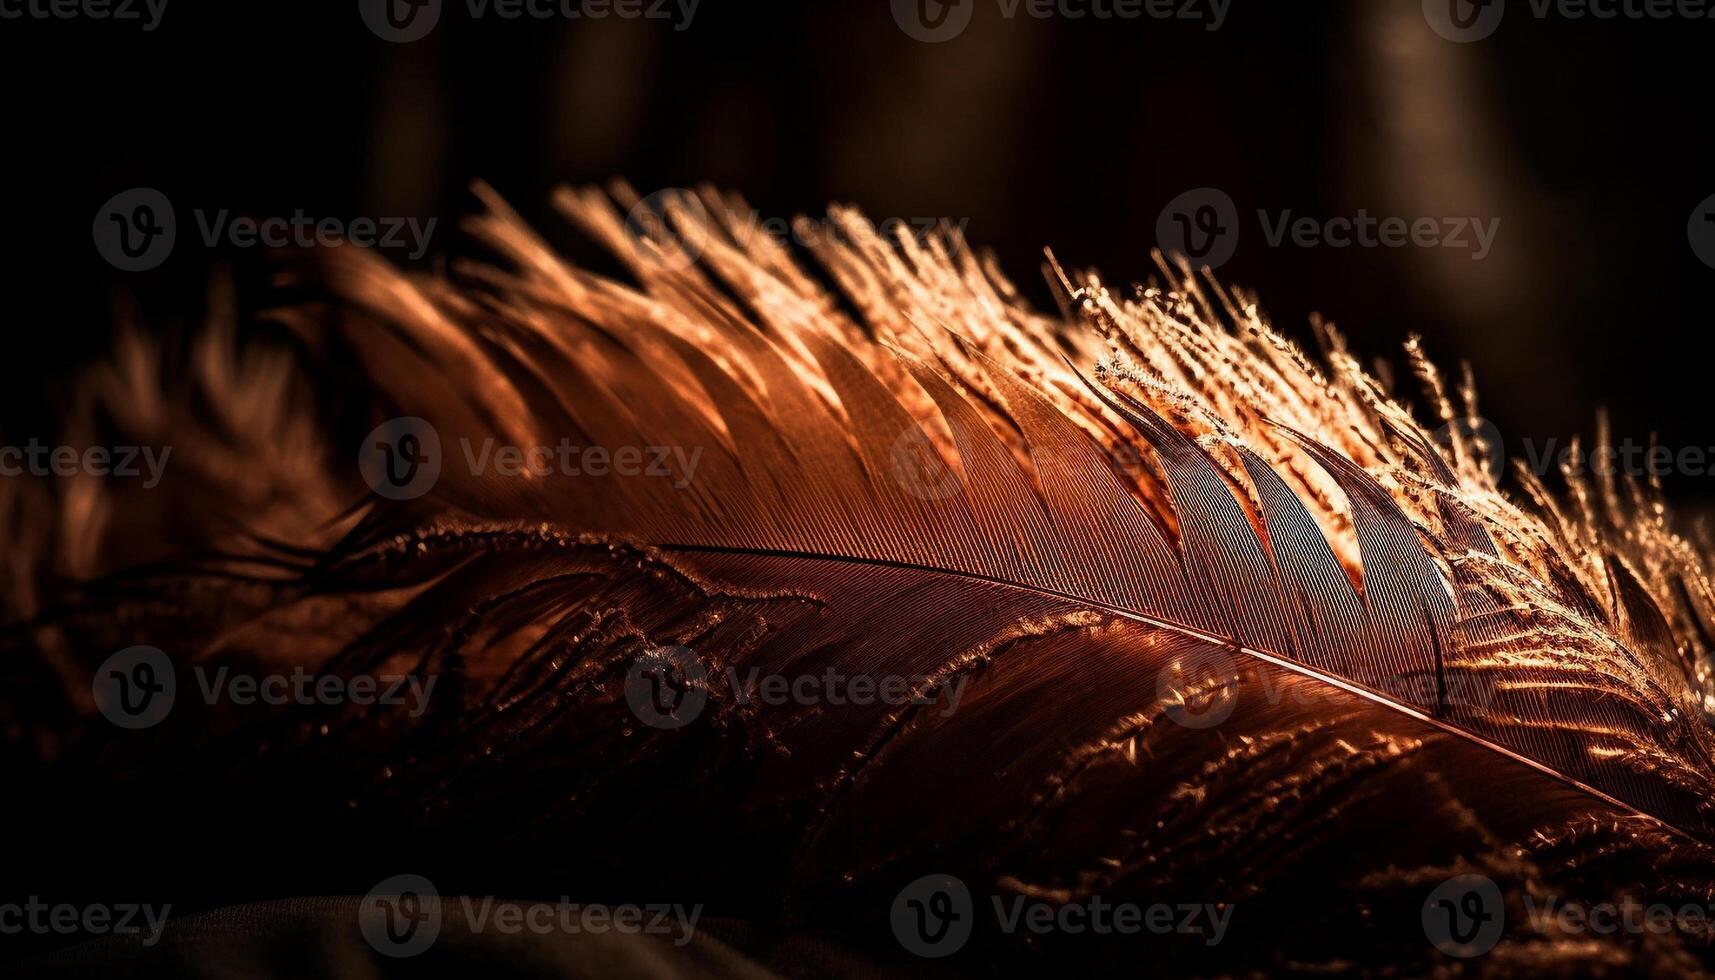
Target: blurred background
1589 139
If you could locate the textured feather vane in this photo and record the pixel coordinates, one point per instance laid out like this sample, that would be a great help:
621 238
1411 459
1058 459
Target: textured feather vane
1084 539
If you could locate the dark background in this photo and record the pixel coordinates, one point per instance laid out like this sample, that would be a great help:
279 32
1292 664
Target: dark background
1589 139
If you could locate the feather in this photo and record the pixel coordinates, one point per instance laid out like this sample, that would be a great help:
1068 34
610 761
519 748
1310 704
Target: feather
1178 610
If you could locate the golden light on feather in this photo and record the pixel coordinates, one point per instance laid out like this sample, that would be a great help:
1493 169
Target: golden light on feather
1171 602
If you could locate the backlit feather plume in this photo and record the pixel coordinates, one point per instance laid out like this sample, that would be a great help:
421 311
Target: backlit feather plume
1227 622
